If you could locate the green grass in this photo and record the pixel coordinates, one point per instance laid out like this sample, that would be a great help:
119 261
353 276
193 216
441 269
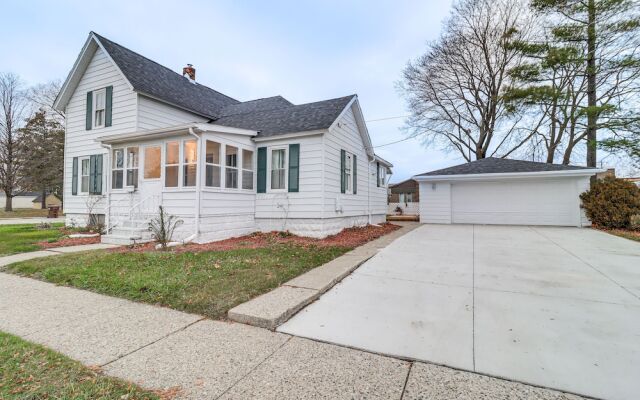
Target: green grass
29 371
23 238
23 213
208 283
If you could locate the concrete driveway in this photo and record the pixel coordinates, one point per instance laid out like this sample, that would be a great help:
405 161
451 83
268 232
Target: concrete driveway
555 307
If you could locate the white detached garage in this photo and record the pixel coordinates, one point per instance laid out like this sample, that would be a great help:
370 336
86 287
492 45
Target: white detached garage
505 192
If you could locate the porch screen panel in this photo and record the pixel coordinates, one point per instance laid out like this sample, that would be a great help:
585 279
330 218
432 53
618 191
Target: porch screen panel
172 161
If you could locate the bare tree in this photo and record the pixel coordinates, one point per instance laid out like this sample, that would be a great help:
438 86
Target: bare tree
455 90
13 109
42 97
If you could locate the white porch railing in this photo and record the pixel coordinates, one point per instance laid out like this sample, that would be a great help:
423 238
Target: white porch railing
143 210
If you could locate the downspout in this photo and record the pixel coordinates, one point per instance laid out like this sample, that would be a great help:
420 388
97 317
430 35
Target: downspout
107 216
369 191
198 169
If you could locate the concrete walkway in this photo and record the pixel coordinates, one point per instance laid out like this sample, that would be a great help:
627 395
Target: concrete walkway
34 220
14 258
159 348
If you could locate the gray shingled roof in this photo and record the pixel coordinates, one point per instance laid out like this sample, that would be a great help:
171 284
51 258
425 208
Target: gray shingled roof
269 116
268 103
155 80
500 165
295 118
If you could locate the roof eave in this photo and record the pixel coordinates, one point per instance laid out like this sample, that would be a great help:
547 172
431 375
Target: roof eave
508 175
289 135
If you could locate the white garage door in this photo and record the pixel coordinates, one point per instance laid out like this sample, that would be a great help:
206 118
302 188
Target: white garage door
525 202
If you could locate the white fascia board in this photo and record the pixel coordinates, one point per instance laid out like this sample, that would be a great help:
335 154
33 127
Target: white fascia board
212 127
289 135
508 175
382 161
143 135
63 97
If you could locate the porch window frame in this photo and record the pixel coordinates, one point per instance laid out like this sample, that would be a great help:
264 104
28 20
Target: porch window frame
183 164
242 170
125 168
236 168
221 155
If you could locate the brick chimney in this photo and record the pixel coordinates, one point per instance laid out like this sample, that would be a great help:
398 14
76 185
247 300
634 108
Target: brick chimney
189 72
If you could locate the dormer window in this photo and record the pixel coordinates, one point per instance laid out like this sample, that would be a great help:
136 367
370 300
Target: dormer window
99 107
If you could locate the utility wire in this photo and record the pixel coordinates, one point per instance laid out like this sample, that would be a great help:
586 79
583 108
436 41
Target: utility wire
387 118
413 136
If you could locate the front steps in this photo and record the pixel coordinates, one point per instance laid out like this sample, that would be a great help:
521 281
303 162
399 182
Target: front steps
131 232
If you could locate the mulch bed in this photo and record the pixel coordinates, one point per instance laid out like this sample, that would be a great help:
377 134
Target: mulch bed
350 237
67 241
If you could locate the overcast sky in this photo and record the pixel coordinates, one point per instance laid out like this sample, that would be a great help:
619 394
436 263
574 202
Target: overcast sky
250 49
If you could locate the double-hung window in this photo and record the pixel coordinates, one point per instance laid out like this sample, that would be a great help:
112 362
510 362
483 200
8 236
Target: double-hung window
212 161
382 175
84 175
117 169
99 107
231 167
172 164
190 166
278 169
247 169
348 165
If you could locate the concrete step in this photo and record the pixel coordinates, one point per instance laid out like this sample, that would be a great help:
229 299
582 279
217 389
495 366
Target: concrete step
123 240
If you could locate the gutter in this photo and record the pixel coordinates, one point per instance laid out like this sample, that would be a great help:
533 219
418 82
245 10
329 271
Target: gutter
507 175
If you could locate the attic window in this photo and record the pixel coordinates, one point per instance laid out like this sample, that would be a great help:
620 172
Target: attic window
99 106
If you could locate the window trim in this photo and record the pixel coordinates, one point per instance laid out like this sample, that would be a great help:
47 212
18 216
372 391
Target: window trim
165 164
219 165
252 170
236 168
95 108
286 168
348 177
80 175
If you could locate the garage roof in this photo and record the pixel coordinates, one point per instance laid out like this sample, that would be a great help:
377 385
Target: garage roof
493 165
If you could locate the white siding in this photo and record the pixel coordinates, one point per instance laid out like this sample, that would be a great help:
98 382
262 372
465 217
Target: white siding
435 202
346 136
307 202
153 114
100 73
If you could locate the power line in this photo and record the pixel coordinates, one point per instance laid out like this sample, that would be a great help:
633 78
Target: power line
387 118
401 140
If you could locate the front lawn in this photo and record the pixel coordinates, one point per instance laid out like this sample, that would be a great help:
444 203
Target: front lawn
207 283
23 213
30 371
22 238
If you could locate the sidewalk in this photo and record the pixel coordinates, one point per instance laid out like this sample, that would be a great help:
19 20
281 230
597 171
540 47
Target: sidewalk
6 260
33 220
160 348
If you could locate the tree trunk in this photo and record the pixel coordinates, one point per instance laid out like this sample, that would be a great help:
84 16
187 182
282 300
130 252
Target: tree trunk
8 206
592 114
43 203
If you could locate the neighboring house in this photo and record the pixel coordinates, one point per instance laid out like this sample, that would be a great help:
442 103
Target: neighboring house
405 195
140 135
51 201
503 191
22 200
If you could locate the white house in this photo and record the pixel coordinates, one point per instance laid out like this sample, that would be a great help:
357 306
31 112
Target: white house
139 135
504 191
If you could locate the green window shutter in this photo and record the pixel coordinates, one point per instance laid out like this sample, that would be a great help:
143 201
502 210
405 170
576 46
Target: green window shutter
74 177
95 174
355 174
89 110
262 169
377 174
294 167
108 105
343 156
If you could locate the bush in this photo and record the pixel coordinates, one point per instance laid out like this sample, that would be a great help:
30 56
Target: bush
634 222
611 202
162 227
